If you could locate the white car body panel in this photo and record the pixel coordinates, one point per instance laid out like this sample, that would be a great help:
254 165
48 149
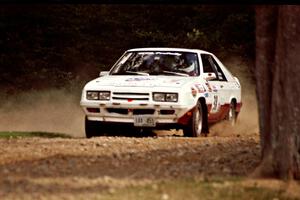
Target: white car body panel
217 94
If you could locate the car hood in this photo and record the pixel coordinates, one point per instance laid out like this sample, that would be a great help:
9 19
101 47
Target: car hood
140 81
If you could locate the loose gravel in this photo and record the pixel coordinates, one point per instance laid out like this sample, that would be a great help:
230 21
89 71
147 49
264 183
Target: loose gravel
41 168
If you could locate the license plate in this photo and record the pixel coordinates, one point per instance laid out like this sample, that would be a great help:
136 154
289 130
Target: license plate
144 121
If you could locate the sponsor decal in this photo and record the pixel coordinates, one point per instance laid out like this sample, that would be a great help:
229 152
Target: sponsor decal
194 91
200 88
140 79
214 88
176 81
208 86
215 103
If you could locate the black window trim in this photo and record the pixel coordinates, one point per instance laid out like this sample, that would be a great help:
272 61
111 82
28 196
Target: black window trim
213 66
218 68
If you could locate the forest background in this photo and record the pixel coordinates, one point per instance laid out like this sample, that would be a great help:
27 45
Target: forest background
64 46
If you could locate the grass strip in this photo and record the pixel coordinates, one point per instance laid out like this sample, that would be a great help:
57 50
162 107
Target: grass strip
21 134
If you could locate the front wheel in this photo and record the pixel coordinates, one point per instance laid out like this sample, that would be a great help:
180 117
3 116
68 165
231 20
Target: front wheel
93 128
195 126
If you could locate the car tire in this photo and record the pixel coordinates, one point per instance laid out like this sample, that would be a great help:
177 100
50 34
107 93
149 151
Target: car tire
232 114
195 126
93 128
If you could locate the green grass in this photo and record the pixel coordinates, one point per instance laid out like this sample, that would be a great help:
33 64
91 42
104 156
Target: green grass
181 189
19 134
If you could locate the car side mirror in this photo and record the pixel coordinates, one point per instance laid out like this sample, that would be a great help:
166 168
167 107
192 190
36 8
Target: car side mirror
209 76
103 73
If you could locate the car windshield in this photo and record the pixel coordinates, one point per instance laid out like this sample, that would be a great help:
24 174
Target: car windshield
157 63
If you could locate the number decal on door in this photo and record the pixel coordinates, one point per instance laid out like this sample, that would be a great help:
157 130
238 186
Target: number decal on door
215 103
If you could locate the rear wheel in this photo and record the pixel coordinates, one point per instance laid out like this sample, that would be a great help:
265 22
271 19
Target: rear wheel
232 114
195 126
93 128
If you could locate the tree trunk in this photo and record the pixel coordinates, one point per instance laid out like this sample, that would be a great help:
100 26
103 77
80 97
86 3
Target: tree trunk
278 89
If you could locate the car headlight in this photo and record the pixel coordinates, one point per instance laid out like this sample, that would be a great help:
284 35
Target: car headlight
92 95
159 97
98 95
165 97
104 95
172 97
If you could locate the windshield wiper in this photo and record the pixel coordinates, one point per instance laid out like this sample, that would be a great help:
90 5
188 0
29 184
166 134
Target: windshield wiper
175 73
139 73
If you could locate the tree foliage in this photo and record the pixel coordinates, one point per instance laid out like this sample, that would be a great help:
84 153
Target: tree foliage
50 45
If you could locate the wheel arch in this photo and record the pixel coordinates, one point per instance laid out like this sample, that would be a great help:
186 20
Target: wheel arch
202 100
203 104
233 99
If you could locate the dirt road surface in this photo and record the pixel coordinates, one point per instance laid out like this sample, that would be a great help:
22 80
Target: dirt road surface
38 168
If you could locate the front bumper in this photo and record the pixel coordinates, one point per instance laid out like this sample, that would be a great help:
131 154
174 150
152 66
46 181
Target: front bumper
125 112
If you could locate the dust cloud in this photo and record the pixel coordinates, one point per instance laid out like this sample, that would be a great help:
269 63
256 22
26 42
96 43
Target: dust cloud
247 122
47 111
59 110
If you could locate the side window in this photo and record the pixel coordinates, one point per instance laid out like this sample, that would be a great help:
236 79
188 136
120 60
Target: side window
220 75
207 67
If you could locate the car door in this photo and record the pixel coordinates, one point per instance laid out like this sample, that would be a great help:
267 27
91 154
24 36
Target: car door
225 86
213 86
224 83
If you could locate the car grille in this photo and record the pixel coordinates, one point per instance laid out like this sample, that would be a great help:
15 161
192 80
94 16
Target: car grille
117 110
130 96
143 111
124 111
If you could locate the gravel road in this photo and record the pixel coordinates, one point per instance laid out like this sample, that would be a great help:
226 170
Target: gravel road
39 168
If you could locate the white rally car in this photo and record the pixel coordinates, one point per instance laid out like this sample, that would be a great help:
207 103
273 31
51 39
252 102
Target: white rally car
162 88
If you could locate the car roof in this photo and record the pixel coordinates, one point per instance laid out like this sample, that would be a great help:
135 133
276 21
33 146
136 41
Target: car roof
169 49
